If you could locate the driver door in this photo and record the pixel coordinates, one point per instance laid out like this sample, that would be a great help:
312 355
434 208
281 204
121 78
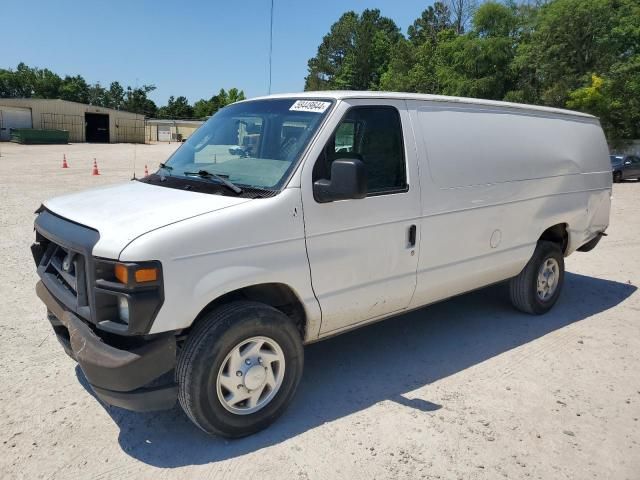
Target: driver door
363 253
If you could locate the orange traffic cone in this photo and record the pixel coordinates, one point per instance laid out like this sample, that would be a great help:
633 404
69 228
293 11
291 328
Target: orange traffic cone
64 161
95 168
146 171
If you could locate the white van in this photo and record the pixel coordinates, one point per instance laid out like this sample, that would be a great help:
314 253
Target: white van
287 219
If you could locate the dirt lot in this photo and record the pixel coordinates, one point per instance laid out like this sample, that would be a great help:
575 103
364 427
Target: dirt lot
464 389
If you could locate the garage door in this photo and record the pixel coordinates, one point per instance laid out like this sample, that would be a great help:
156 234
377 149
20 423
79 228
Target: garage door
164 133
13 117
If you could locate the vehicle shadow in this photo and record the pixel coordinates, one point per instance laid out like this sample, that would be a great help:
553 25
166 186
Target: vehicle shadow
381 362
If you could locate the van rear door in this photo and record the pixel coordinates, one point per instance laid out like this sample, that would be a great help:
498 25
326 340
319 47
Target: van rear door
364 252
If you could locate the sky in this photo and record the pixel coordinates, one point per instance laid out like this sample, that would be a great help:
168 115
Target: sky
191 48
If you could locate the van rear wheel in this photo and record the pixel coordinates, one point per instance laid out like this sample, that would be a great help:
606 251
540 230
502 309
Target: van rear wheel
537 287
239 368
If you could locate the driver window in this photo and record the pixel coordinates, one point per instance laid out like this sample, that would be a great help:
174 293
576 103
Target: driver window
345 137
374 136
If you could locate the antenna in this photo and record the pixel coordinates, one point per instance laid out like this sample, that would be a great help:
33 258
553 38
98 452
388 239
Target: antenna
270 45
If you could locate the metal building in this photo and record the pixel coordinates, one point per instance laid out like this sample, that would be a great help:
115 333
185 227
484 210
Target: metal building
85 123
170 130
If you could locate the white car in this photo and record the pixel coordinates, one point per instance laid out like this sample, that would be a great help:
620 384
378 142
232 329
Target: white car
202 282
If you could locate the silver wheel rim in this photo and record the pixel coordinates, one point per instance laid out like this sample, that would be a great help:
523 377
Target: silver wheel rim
250 375
548 277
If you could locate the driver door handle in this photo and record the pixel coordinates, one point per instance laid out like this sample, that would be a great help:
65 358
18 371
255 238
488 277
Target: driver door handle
412 236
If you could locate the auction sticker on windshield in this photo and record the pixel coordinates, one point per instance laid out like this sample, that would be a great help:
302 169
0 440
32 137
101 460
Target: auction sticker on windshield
309 106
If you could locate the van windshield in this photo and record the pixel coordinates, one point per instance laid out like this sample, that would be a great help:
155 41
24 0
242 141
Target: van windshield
251 144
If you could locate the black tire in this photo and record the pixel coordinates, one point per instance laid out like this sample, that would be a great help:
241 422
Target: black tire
617 177
523 288
206 349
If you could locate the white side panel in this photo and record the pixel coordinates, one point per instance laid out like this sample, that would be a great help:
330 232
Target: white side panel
478 227
204 257
474 145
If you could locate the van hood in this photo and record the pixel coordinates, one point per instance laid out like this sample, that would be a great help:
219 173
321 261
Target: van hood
121 213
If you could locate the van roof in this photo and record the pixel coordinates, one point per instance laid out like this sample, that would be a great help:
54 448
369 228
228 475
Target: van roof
345 94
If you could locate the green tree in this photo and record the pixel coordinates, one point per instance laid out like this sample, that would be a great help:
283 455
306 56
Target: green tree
46 84
594 98
477 64
98 95
580 54
176 108
205 108
585 54
7 83
432 21
74 89
461 13
115 96
572 39
412 68
612 89
202 108
136 101
233 95
354 54
25 82
412 65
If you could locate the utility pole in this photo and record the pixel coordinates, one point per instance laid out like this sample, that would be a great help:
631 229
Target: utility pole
270 45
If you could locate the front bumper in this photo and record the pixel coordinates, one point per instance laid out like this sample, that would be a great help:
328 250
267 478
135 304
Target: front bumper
137 378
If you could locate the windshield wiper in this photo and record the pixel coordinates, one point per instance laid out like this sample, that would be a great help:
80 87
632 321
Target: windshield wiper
166 167
210 175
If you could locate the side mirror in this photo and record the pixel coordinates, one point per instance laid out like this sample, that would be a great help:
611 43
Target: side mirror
348 181
628 162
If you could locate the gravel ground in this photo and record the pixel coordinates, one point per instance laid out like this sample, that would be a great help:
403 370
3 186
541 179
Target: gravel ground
467 388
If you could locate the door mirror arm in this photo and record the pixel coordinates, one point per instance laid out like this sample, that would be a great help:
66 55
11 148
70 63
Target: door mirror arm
348 181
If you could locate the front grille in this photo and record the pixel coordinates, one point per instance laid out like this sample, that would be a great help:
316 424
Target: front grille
66 268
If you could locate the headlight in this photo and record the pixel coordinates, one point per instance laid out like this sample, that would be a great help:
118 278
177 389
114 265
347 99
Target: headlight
123 309
127 295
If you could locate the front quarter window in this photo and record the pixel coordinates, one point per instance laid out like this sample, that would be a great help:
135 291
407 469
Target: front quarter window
252 144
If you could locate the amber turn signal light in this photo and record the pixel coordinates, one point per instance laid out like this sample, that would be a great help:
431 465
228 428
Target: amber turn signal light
140 274
146 275
121 273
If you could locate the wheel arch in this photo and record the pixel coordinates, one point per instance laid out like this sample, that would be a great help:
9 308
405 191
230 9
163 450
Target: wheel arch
277 295
559 234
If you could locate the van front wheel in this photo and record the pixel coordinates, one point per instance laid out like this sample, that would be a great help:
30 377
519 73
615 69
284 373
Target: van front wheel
537 287
239 368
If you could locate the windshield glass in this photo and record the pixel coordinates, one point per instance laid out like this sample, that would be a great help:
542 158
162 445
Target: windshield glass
252 144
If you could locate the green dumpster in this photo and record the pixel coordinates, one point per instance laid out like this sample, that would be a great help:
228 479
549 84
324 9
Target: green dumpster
34 136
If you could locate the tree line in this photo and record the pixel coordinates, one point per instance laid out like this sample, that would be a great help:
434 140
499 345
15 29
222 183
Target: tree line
34 82
577 54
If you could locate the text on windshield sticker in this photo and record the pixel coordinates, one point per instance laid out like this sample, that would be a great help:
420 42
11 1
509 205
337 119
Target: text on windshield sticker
309 106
